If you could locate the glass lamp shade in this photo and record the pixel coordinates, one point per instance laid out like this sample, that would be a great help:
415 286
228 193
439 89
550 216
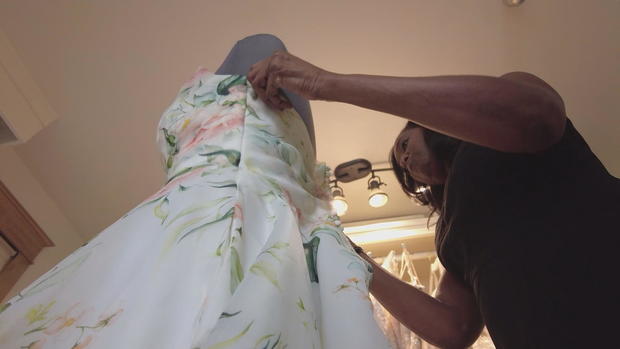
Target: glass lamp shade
377 198
340 205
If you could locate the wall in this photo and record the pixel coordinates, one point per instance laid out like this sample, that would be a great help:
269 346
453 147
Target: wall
31 195
575 46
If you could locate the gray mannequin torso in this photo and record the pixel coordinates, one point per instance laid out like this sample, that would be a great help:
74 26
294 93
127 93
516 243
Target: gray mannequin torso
253 49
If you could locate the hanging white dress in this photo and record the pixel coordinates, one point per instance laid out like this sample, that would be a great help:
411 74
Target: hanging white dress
239 248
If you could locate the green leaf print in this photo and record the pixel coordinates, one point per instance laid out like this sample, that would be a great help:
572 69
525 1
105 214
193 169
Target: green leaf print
252 112
58 274
218 251
225 216
300 304
196 208
31 345
4 307
223 184
261 268
231 103
226 84
145 204
271 250
236 270
170 139
185 90
288 153
262 339
311 249
184 171
342 287
268 137
233 156
331 231
268 196
173 147
161 210
205 103
269 345
227 315
179 229
231 341
38 312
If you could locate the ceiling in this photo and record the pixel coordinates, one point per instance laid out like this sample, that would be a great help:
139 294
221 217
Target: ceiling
110 68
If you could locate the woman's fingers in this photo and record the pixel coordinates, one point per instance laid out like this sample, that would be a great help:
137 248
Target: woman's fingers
271 90
282 71
259 82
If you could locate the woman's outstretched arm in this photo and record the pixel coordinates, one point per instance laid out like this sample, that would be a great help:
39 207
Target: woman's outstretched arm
451 319
517 112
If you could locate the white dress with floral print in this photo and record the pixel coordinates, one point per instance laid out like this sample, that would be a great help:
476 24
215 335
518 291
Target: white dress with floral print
239 249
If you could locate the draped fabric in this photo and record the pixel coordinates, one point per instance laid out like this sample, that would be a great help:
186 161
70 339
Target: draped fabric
238 249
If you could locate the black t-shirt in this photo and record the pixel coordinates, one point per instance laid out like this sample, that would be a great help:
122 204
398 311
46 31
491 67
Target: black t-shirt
535 236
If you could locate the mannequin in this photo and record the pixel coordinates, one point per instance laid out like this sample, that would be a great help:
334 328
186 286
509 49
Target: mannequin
255 48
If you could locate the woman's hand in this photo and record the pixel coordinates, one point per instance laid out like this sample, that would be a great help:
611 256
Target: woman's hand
283 70
360 251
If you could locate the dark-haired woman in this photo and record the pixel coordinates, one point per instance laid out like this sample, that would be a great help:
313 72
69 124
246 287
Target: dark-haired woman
528 215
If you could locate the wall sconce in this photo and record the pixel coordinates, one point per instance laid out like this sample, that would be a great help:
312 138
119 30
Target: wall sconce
354 170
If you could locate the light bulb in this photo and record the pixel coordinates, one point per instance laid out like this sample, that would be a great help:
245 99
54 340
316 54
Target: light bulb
377 198
340 205
513 3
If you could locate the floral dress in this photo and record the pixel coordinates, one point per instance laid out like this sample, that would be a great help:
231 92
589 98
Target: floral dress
239 248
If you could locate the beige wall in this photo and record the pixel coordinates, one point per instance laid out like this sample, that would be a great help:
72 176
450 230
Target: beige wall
18 179
575 46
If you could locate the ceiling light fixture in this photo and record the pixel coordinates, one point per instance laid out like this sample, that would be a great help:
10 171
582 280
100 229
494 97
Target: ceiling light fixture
339 203
353 170
513 3
377 197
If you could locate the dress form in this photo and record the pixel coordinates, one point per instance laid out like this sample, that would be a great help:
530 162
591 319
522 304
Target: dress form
255 48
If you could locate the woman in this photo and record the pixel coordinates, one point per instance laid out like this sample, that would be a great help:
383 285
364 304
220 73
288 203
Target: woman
526 209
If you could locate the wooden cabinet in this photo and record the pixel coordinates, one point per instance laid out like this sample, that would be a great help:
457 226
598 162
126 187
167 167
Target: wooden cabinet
21 240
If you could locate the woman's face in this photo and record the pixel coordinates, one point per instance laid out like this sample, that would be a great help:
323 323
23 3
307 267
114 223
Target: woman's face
416 158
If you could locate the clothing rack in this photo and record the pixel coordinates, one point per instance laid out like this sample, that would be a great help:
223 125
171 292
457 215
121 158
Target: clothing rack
413 256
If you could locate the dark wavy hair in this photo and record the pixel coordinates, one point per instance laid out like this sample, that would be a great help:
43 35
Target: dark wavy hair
443 148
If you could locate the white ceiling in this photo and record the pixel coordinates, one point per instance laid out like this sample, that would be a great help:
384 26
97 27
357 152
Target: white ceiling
109 69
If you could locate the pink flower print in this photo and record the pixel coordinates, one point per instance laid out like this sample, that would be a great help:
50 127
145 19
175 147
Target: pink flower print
236 92
196 119
187 126
195 77
212 127
289 199
37 344
238 212
235 121
202 132
64 321
353 280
